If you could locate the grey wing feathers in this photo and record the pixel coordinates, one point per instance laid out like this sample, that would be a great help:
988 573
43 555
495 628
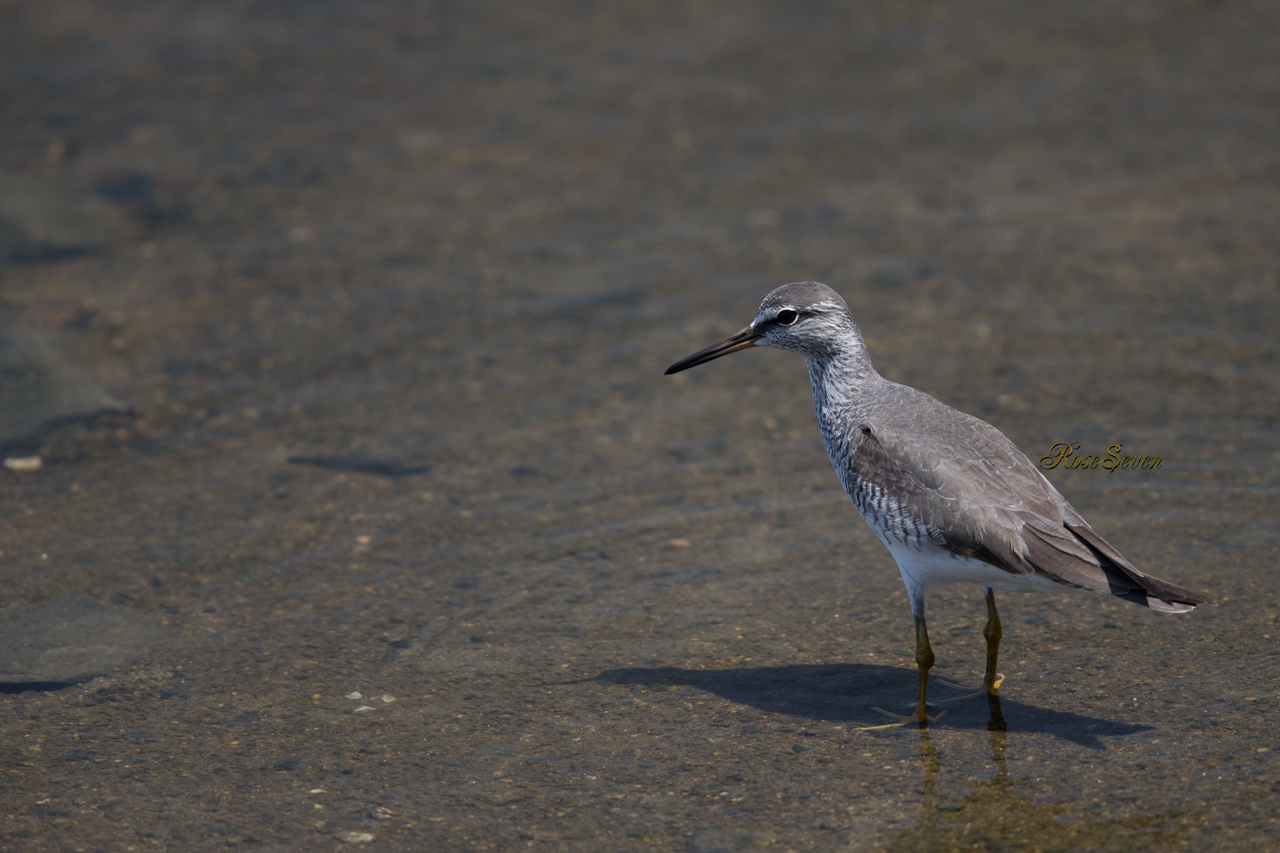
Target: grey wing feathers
982 498
938 499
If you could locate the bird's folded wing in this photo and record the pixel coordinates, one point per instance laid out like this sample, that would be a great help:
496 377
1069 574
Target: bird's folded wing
987 501
970 505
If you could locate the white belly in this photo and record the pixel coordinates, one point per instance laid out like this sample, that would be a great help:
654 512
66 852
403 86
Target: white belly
922 570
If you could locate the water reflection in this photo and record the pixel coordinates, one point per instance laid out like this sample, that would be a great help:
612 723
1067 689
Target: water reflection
999 813
1002 814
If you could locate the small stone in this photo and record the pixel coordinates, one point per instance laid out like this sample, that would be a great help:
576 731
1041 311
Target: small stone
355 694
364 708
24 463
381 813
354 837
387 698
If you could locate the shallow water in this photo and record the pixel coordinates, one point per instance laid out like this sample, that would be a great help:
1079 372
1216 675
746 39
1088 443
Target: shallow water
391 344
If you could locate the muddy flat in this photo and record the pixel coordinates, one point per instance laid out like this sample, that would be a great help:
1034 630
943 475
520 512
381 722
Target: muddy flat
351 325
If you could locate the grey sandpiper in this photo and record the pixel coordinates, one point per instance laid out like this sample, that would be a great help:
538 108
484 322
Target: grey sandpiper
949 495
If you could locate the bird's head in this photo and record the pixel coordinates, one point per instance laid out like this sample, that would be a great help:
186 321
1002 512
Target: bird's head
803 317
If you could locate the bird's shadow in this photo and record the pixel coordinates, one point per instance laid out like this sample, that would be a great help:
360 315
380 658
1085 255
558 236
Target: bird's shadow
850 693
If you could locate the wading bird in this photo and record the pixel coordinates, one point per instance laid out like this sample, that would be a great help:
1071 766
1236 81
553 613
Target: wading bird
952 499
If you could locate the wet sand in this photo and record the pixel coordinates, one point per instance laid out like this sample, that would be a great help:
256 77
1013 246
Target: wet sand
388 329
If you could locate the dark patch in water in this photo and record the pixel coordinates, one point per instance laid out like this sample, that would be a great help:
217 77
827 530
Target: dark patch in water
378 467
35 686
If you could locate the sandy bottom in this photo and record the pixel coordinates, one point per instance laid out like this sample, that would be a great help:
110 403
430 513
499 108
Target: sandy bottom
375 301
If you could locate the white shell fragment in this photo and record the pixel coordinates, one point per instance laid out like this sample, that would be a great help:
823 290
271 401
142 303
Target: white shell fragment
354 837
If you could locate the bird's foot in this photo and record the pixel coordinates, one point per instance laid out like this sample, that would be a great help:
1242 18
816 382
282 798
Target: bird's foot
982 690
916 717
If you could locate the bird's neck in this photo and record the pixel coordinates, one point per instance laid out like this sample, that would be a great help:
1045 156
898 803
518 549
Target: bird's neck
842 378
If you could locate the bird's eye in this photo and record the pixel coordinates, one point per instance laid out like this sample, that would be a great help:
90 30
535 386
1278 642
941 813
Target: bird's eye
786 317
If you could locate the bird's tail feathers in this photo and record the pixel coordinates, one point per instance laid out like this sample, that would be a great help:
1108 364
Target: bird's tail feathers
1129 583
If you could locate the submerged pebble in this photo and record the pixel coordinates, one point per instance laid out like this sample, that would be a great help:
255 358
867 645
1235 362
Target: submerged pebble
67 639
715 840
43 217
354 837
40 383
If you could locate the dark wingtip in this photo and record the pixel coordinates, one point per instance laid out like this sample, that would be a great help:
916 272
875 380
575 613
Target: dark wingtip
1185 602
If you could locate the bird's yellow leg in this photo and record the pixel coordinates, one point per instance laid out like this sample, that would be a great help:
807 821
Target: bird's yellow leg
992 634
924 662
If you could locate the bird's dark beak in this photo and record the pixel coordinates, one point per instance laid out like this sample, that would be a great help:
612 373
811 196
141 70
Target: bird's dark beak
742 340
